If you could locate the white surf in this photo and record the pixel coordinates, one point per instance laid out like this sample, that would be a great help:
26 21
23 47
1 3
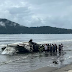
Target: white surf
9 50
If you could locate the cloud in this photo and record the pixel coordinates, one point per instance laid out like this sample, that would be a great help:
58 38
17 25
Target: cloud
15 11
56 13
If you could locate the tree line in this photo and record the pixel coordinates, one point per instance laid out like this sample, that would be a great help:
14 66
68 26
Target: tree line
14 28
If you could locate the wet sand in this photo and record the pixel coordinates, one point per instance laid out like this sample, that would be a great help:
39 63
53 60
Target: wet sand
67 68
45 69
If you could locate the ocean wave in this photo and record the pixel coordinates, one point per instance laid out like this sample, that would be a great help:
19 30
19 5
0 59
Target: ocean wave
54 41
10 61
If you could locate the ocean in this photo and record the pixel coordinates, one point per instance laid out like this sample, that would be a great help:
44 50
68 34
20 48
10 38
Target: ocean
32 61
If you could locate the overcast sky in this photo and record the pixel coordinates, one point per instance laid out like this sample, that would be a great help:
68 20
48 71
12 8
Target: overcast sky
55 13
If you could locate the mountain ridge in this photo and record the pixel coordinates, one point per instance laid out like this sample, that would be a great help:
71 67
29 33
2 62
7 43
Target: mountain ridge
9 27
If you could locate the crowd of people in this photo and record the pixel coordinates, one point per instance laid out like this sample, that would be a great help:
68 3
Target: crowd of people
51 48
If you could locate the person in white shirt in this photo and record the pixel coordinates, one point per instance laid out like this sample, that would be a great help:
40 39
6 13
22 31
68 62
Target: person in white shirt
45 47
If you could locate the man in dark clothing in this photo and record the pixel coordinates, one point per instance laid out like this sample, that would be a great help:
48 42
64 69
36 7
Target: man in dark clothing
50 48
35 45
55 47
60 48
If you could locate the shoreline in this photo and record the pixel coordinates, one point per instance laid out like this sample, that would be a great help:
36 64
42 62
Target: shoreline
45 69
66 68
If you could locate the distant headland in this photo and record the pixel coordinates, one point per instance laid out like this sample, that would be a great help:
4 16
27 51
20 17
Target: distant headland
9 27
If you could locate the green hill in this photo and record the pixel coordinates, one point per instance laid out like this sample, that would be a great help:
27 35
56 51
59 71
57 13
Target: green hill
9 27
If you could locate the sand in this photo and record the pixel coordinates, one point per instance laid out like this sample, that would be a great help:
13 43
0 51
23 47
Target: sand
67 68
70 71
45 69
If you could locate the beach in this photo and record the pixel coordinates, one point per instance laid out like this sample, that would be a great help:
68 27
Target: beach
67 68
36 62
45 69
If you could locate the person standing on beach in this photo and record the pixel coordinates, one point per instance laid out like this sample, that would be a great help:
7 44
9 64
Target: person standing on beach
60 48
50 48
55 48
41 48
45 47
